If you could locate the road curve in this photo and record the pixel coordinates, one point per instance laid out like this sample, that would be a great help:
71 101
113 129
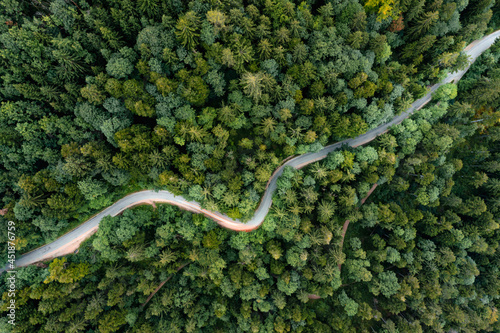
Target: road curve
70 241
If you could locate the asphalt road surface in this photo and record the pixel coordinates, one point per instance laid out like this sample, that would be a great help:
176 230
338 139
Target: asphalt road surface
67 243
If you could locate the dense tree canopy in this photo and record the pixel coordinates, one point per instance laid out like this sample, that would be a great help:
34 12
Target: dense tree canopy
104 97
205 99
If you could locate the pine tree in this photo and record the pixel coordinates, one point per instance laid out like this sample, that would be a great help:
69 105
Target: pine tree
424 23
186 29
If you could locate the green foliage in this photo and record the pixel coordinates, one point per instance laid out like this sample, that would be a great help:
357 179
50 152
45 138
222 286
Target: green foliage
445 92
119 67
70 274
350 306
206 100
196 91
186 29
92 188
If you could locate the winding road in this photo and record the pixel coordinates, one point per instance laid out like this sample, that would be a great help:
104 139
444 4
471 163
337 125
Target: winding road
69 242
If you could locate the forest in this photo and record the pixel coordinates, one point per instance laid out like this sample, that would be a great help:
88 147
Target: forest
205 99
